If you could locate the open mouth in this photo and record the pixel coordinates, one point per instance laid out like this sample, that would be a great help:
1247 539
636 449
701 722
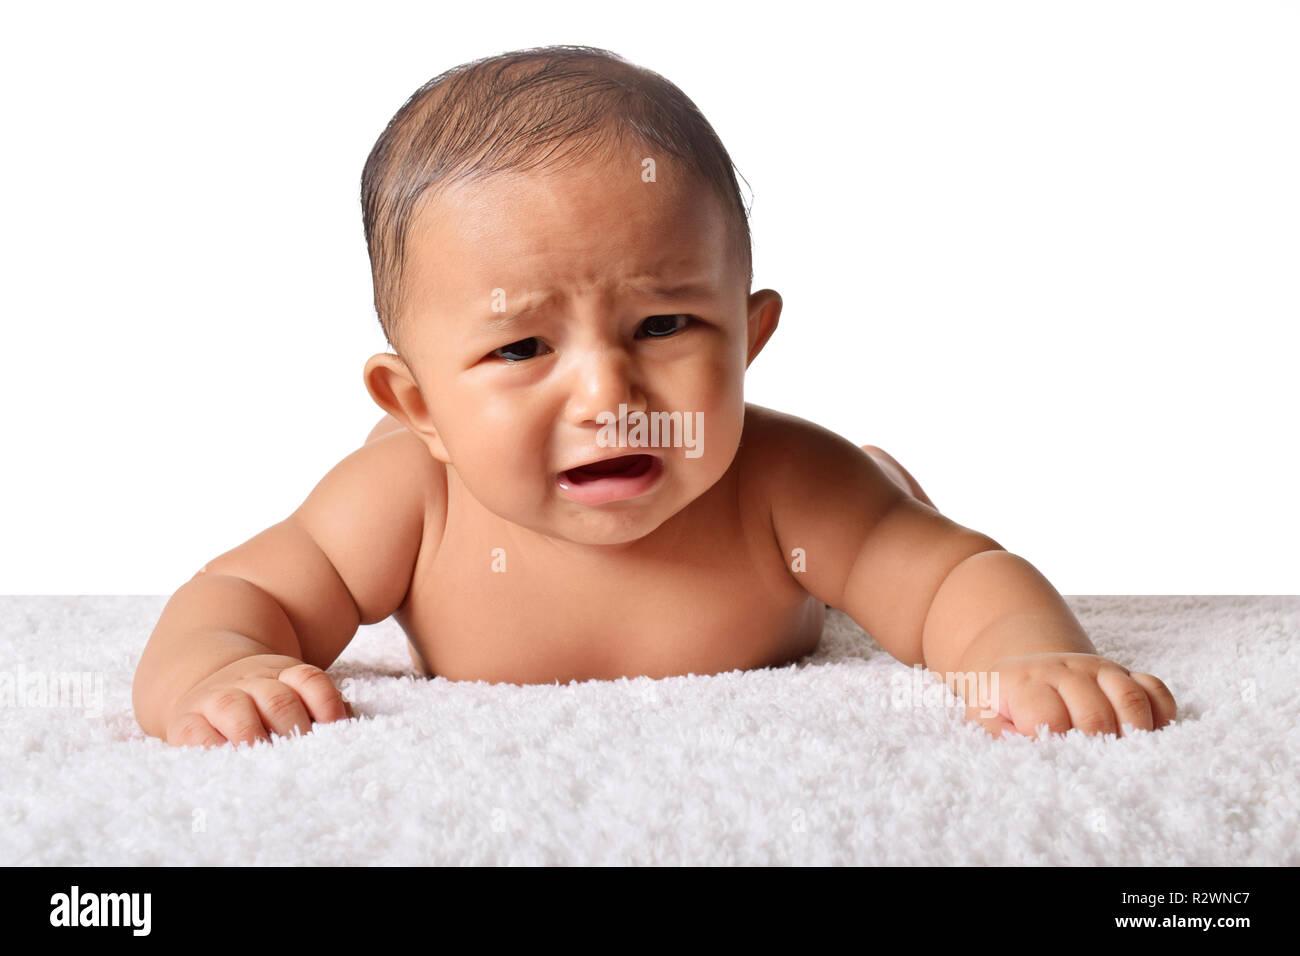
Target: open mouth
624 466
615 479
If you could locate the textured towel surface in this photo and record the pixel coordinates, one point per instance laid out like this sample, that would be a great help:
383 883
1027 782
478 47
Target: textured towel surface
824 761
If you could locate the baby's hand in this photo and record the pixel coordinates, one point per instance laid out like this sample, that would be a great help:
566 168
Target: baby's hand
1062 690
253 695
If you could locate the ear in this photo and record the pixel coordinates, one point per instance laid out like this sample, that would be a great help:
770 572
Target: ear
392 386
764 313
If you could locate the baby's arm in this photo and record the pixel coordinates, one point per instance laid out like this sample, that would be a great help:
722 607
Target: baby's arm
241 648
933 592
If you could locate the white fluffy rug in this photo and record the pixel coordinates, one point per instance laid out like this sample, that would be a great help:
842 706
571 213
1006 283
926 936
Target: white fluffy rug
821 762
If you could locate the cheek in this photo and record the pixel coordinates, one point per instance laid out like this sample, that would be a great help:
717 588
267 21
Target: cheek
709 375
496 418
727 367
510 438
477 432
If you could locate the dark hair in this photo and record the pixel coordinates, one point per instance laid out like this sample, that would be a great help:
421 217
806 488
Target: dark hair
514 111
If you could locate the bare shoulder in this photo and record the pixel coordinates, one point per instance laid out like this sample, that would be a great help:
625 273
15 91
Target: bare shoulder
405 458
791 457
373 514
769 429
823 494
864 545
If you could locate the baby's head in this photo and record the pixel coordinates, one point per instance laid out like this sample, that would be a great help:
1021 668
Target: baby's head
556 238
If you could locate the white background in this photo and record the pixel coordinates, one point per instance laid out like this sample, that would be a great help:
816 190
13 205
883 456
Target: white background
1045 254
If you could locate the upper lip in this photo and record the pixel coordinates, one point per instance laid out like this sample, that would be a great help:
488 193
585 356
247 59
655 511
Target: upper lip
596 461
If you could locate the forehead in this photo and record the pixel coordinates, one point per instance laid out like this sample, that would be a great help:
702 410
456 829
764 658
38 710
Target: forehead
597 222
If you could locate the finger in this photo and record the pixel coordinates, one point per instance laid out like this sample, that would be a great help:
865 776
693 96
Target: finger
990 710
1127 697
1163 708
1036 703
193 730
994 724
278 705
1090 710
324 701
234 715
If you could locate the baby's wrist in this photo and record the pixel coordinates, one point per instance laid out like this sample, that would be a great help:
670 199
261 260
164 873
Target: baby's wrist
1029 632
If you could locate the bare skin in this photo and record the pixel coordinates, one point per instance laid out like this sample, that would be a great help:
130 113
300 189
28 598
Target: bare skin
454 516
778 625
636 634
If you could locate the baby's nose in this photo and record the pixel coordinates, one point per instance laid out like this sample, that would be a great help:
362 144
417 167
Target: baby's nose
602 380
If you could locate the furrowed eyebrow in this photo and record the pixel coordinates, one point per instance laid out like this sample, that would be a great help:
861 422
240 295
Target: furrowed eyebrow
675 290
502 322
505 321
499 322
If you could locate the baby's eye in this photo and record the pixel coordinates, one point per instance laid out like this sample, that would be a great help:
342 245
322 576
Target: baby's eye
521 350
660 326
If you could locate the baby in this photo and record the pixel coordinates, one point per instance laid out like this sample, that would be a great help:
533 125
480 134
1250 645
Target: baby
568 483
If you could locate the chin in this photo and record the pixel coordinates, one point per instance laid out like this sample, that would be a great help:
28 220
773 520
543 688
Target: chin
608 529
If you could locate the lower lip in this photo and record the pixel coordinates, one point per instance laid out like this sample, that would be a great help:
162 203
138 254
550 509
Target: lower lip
601 491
